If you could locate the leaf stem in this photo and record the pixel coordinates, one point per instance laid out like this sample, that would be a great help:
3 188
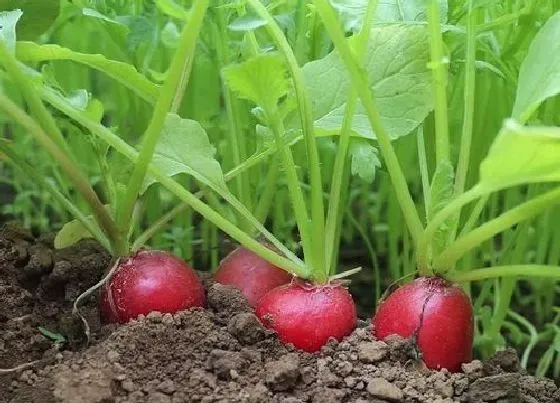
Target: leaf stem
469 97
306 117
361 85
437 220
504 221
73 172
21 164
46 121
177 74
334 210
527 270
439 72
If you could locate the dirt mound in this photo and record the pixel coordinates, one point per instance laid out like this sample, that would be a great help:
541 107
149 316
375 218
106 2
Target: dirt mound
222 354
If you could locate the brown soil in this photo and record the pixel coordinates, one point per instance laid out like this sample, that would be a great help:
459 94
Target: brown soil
220 354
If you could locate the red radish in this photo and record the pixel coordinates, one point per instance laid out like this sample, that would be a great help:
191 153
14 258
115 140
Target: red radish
437 313
251 274
307 315
150 281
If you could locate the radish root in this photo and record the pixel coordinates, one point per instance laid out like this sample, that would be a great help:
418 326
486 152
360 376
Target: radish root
87 293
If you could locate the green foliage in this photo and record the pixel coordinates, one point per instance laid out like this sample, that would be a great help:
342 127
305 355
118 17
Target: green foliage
352 12
8 21
71 233
364 159
522 155
262 80
37 18
396 63
539 77
123 73
183 147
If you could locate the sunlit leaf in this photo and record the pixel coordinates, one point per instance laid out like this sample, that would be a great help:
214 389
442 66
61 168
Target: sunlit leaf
521 155
71 233
262 80
183 147
396 63
539 77
8 21
124 73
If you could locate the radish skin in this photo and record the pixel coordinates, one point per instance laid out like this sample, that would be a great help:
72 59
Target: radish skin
147 282
438 314
308 315
251 274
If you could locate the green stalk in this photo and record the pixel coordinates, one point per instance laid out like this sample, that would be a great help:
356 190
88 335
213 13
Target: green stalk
469 97
291 264
439 72
45 119
176 80
234 134
362 87
454 206
423 162
295 193
506 220
73 172
263 207
334 210
306 117
19 162
525 270
337 181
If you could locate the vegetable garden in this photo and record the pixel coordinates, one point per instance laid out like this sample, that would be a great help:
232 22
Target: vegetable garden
285 201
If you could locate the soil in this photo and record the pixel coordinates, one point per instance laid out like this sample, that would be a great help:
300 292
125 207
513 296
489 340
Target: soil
218 354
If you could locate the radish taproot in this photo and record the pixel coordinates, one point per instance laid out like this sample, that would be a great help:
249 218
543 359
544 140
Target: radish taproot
307 315
437 314
251 274
150 281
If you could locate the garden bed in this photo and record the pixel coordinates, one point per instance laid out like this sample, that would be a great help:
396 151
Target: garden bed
216 354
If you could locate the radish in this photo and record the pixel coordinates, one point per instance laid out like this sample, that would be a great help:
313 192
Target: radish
307 315
251 274
150 281
436 314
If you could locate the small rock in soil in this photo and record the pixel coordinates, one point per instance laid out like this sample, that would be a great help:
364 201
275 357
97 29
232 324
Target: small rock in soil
283 374
372 351
246 328
227 300
383 389
502 361
502 386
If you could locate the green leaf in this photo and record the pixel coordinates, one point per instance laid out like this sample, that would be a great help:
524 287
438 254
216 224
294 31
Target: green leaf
55 337
262 80
246 23
396 63
539 77
38 16
364 159
183 147
388 11
521 155
441 194
172 9
71 233
123 73
8 21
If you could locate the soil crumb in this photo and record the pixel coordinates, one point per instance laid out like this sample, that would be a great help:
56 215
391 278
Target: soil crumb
219 354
